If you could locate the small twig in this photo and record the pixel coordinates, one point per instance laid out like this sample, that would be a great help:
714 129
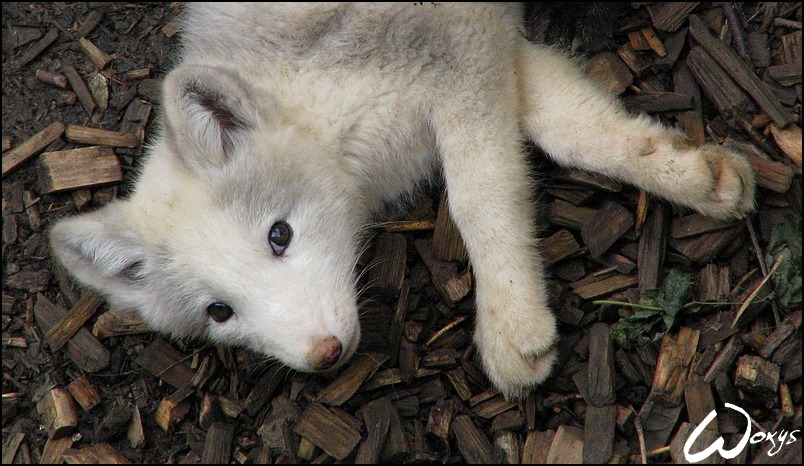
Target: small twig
757 249
769 11
659 451
641 436
644 307
788 23
762 265
736 30
758 426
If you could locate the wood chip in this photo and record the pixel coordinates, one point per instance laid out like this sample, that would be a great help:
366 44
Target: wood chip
637 41
567 446
789 139
11 445
114 323
457 378
54 79
706 438
84 309
78 168
636 62
675 360
80 88
690 121
757 375
438 426
508 444
655 102
742 74
768 173
264 389
57 410
36 49
714 283
788 327
674 44
88 24
100 137
97 56
396 329
558 247
652 245
609 70
704 248
136 119
725 358
475 448
218 444
729 100
32 146
100 453
409 225
83 348
588 179
697 224
84 393
360 369
164 361
699 401
654 43
377 421
173 409
452 286
537 446
447 242
601 387
599 423
605 227
564 214
602 287
670 16
493 407
53 450
396 446
327 430
388 269
135 433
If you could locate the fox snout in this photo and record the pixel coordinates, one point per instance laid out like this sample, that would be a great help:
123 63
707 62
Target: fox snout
324 354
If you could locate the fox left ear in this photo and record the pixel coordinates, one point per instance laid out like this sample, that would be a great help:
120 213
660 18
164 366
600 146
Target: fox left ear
208 114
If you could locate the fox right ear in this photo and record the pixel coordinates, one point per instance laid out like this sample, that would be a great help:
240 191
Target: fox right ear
104 254
209 112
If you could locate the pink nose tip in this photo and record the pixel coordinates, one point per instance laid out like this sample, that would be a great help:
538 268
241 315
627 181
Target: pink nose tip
324 354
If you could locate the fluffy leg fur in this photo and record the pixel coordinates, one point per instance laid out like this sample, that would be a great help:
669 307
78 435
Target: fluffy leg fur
578 125
490 201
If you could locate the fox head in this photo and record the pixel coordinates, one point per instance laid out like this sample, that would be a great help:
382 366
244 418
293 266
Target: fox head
237 229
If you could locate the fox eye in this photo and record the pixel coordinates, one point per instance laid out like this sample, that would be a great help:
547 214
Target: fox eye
279 237
220 312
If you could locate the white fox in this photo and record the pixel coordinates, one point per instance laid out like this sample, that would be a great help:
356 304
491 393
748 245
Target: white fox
286 127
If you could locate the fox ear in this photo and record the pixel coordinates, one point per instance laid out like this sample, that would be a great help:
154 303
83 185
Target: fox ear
103 253
208 114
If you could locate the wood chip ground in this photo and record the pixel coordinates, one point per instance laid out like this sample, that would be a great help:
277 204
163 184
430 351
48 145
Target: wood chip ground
83 383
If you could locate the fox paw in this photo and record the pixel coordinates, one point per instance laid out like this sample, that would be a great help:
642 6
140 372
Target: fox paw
732 184
517 353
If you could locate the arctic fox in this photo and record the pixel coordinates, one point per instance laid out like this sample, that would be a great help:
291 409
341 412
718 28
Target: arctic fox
286 127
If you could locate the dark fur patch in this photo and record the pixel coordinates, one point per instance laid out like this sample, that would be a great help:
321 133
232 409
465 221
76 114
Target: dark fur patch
228 121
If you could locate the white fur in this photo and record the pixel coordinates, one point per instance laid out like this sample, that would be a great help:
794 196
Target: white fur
321 114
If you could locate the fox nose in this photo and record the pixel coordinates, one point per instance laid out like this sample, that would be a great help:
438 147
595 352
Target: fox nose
324 354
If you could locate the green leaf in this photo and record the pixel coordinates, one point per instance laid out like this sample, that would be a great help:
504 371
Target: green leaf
668 301
785 247
675 289
630 328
